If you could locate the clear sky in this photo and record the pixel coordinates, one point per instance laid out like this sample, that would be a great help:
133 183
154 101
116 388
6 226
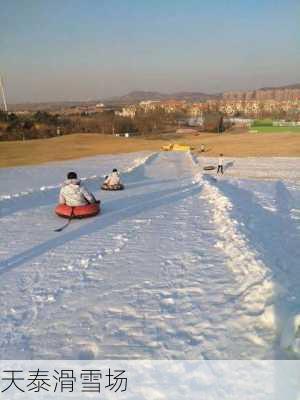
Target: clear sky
87 49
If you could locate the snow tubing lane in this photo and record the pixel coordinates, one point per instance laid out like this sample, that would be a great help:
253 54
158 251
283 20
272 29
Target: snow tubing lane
114 187
86 211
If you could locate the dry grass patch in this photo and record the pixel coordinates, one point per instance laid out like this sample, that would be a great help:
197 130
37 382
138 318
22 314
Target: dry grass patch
70 147
83 145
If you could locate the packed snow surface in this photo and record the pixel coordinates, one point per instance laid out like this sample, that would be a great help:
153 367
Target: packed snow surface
180 265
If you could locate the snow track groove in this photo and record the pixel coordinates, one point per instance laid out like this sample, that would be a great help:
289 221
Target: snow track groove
252 275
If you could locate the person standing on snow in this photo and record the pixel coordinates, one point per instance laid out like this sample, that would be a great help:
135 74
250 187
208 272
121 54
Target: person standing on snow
113 179
220 165
73 193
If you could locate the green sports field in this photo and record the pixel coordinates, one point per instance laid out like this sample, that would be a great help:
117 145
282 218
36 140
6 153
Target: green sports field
275 129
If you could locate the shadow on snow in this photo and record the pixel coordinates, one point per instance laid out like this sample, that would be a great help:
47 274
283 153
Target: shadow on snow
117 212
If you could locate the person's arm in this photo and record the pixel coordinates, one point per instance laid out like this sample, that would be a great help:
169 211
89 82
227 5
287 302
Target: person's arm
108 180
88 196
62 199
118 178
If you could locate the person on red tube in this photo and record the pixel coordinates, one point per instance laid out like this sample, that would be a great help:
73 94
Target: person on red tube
113 179
73 193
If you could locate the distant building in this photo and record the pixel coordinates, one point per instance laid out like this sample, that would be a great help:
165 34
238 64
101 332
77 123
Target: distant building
149 105
127 112
279 94
173 105
196 109
196 121
242 122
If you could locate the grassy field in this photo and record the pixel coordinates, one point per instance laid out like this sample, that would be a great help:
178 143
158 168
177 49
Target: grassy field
276 129
83 145
69 147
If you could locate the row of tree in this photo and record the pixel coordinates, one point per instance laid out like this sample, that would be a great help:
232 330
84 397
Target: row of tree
290 115
38 125
42 124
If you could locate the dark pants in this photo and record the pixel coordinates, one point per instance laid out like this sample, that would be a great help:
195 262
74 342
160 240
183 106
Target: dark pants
220 169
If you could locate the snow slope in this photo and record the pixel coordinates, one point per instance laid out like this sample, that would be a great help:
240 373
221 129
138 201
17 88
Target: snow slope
179 265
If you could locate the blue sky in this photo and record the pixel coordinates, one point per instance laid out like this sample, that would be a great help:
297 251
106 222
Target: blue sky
87 49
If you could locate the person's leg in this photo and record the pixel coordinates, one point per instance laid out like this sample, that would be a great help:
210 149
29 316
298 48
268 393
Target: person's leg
218 170
222 170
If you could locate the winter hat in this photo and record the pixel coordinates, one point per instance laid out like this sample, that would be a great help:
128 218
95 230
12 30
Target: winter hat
72 175
115 170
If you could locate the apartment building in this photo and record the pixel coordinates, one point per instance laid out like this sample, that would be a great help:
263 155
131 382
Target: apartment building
127 112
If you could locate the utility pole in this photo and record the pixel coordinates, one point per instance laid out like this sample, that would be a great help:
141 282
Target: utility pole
3 94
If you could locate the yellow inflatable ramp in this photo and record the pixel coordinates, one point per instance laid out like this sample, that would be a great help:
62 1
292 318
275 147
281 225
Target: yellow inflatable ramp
181 147
176 147
167 147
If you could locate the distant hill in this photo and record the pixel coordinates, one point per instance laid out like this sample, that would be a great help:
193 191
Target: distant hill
140 95
51 105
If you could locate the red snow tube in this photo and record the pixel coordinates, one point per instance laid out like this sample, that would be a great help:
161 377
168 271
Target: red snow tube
120 186
86 211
